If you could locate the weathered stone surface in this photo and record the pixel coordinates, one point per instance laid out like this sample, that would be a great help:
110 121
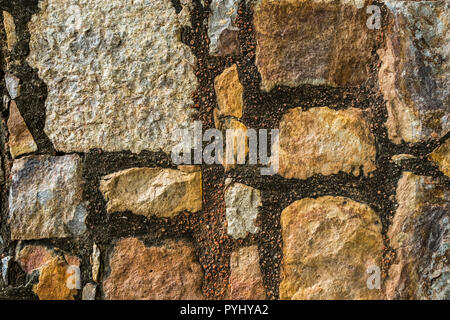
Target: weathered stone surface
20 139
34 257
72 260
325 141
89 291
12 85
441 156
118 76
53 281
242 204
45 198
415 73
6 101
166 272
229 92
153 191
398 158
420 234
222 31
246 278
315 42
10 28
328 245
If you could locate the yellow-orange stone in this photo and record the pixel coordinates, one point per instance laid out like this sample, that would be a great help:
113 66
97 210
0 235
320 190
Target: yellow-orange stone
10 28
441 156
53 281
235 140
153 191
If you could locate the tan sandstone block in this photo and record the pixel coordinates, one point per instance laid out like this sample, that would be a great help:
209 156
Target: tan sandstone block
166 272
153 191
328 245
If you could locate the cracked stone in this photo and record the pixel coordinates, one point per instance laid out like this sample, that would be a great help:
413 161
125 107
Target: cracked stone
414 75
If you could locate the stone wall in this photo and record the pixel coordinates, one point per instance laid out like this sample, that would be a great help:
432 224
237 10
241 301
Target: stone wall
94 207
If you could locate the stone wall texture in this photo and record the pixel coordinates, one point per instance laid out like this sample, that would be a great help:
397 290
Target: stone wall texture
352 97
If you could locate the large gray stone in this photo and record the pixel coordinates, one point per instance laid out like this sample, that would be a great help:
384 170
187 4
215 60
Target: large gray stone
118 76
45 198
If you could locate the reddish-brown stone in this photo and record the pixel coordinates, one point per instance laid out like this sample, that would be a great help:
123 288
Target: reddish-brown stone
55 281
246 278
168 272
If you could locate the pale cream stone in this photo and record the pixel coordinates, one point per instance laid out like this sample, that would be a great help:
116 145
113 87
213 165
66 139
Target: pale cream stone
118 75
